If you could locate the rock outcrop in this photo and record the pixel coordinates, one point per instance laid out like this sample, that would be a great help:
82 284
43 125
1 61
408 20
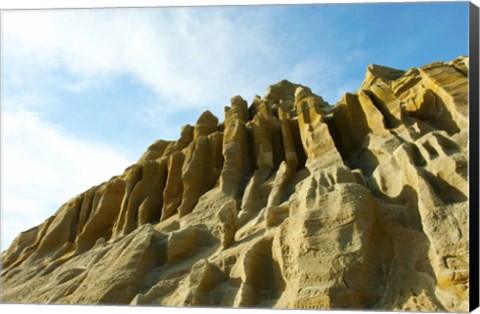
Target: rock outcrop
289 203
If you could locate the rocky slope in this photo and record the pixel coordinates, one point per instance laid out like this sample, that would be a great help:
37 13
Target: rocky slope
288 203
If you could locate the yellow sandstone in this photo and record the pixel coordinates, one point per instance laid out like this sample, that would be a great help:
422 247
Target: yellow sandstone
289 203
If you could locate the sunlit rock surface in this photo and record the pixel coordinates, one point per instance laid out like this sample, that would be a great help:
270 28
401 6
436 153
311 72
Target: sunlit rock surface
287 203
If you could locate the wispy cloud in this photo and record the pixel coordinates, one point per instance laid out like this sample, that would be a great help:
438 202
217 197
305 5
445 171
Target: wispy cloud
175 54
42 168
181 54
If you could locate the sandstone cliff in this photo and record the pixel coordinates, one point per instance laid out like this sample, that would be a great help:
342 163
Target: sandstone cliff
287 203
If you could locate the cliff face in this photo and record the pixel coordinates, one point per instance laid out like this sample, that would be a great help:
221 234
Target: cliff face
288 203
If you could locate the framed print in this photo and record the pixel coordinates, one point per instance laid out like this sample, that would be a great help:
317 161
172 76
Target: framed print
319 156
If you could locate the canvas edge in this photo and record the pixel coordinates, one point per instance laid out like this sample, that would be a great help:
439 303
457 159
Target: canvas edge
474 155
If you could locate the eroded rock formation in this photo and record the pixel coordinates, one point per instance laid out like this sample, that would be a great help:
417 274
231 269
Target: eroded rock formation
289 203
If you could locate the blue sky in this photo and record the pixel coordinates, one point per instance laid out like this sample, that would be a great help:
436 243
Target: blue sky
84 92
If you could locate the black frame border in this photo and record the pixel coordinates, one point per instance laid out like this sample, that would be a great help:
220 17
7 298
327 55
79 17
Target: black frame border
474 157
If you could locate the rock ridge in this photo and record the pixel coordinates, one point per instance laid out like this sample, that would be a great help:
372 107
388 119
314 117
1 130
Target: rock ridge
288 203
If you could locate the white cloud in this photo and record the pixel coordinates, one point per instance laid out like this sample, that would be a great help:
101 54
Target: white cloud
24 101
177 54
187 56
42 167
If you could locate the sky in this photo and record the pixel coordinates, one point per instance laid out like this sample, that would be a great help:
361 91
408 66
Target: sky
84 92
